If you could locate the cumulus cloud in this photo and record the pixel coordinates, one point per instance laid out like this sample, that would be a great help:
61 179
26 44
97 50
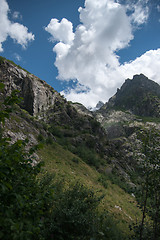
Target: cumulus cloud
61 31
16 31
89 55
148 64
139 11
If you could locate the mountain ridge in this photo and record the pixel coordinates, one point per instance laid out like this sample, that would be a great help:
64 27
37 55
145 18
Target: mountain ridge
139 95
97 146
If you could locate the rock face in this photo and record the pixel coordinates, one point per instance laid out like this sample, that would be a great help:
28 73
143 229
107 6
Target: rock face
131 109
139 95
72 121
110 132
99 105
37 95
82 109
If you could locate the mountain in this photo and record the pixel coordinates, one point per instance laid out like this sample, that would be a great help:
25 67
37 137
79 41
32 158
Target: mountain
96 148
139 95
135 106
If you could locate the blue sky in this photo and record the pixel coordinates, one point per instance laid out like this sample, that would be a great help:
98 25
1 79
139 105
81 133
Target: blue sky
96 47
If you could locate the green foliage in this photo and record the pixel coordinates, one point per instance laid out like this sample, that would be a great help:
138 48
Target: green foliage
49 140
89 156
73 213
1 59
33 206
114 180
149 187
8 105
108 229
18 189
150 119
95 125
56 131
23 198
40 138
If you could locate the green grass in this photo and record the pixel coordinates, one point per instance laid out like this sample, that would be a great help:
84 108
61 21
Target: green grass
119 204
150 119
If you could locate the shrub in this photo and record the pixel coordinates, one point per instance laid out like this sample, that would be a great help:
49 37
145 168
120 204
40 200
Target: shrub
87 155
73 214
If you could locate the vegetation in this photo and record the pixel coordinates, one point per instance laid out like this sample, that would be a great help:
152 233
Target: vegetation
34 206
76 194
149 188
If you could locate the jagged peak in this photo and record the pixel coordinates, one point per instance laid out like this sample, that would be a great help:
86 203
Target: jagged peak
139 95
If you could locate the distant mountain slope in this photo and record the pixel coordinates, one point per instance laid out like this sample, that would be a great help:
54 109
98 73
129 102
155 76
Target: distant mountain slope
139 95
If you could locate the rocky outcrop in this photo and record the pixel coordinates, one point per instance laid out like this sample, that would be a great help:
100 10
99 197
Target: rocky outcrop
73 122
82 109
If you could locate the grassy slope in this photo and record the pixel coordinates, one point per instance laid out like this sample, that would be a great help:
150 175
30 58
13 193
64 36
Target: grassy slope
60 161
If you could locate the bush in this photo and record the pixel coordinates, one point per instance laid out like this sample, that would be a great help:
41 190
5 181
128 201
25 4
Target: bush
73 214
87 155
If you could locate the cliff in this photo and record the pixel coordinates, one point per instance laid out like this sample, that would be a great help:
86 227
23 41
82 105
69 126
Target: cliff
37 95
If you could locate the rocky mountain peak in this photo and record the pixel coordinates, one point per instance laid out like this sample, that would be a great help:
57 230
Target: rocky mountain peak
139 95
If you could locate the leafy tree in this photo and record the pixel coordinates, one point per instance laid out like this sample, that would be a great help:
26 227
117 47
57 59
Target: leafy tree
149 190
22 201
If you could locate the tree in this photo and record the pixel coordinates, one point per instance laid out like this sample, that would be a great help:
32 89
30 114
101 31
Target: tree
149 166
23 197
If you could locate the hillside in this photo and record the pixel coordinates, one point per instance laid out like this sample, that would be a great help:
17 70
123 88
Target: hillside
96 149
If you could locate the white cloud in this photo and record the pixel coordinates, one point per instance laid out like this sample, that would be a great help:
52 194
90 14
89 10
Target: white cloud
89 54
61 31
17 15
16 31
139 11
148 64
17 57
158 8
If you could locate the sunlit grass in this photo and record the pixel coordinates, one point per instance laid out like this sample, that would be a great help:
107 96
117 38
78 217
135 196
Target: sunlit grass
119 204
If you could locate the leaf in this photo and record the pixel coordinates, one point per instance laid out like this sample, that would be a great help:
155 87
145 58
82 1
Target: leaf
1 85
